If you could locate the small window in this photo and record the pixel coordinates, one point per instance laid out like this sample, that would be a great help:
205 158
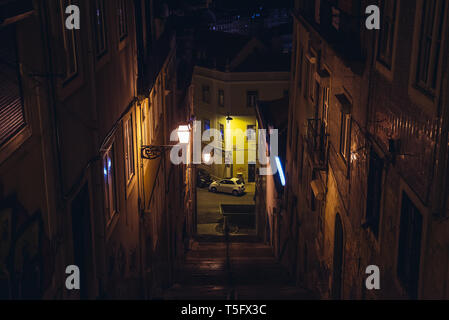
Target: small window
129 149
122 20
251 99
345 135
409 252
110 194
221 98
325 111
206 94
429 66
386 33
373 204
100 28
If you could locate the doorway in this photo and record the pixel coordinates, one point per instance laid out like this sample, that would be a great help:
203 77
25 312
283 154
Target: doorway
338 259
251 173
82 241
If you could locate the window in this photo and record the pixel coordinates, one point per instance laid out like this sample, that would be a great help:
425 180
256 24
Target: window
374 195
251 132
409 247
206 94
129 148
251 99
12 115
345 135
429 58
387 30
221 98
110 194
100 28
325 111
122 20
70 48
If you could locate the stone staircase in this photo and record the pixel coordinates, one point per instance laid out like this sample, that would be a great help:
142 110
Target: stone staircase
234 271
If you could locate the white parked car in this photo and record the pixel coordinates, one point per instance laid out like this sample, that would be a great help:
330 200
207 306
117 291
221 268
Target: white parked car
234 186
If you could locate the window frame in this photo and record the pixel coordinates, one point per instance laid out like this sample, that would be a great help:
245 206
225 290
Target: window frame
375 229
404 282
221 98
109 154
381 62
252 96
68 77
129 150
205 96
122 24
428 101
101 49
345 136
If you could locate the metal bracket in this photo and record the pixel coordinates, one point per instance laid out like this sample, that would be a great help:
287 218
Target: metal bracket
152 152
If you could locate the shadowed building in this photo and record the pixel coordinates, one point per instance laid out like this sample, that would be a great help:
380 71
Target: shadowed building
367 150
74 189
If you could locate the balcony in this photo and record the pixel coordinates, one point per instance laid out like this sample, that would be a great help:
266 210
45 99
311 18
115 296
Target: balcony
316 142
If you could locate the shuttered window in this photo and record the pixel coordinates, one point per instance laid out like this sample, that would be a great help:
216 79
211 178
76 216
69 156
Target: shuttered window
12 117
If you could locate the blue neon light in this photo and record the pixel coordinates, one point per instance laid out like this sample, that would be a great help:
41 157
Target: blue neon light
281 171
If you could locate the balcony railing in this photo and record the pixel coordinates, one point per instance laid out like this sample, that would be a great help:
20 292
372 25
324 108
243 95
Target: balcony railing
316 139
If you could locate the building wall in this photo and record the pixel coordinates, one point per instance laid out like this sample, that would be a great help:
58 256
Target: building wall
269 85
383 104
53 173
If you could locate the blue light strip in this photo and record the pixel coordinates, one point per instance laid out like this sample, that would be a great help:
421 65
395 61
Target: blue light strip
281 172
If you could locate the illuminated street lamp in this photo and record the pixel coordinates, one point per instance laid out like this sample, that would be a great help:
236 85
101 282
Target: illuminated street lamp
152 152
184 134
207 157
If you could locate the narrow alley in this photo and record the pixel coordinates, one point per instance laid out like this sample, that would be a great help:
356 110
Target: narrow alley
233 270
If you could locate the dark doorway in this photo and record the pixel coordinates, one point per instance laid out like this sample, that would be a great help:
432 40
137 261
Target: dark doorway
338 259
251 173
81 232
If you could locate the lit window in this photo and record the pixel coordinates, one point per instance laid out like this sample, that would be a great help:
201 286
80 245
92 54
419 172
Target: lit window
129 148
325 112
345 135
110 194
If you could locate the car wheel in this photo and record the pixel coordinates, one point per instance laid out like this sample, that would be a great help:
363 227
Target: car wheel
214 190
235 193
